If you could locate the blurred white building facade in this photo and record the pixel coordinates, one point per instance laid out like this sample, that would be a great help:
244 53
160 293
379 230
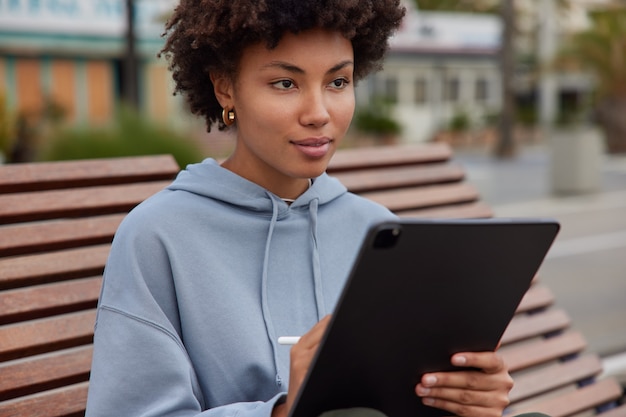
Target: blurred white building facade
439 65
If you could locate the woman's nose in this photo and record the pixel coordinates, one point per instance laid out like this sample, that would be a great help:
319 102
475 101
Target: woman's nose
314 111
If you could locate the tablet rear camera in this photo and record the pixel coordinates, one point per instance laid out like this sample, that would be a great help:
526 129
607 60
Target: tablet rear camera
387 238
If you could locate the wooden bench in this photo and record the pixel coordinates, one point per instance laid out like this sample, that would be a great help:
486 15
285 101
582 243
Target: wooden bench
56 224
57 221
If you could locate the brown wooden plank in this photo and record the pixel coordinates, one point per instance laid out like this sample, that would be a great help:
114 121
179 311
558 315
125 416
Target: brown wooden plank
525 355
42 205
471 210
52 266
49 299
551 377
431 196
46 335
526 326
537 297
356 158
57 234
68 401
44 372
396 177
577 401
68 174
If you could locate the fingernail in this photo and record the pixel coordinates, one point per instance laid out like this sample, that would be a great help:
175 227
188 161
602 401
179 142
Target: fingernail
421 391
428 401
430 380
459 360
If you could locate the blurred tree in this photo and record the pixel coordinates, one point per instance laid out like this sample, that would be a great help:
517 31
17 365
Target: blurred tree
505 145
131 90
602 50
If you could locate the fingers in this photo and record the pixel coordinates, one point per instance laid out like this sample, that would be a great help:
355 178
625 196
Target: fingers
300 357
314 336
471 392
488 362
302 352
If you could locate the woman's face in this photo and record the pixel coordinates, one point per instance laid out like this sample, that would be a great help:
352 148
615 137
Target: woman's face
293 105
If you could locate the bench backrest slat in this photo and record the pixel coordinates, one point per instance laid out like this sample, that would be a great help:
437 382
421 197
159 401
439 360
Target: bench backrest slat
85 173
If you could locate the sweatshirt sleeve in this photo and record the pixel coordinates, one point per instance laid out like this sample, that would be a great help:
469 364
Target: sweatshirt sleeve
140 366
141 370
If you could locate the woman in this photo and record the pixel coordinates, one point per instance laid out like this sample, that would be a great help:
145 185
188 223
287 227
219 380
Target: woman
205 276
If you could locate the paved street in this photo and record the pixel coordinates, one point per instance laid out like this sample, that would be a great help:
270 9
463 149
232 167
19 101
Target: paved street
586 268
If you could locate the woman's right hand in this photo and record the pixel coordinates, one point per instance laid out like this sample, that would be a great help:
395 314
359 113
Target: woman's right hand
301 356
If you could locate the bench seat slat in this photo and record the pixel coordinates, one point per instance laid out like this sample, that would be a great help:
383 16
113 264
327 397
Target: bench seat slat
42 205
526 326
80 173
58 234
45 335
68 401
44 372
540 351
555 376
582 399
49 299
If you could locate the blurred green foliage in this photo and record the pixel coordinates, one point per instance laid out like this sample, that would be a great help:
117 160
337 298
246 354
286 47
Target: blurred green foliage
376 119
601 49
130 135
460 121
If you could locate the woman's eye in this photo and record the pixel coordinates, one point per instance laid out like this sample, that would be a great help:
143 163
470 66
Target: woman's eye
339 83
283 84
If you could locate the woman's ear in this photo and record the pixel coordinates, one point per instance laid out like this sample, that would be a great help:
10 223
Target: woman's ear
223 89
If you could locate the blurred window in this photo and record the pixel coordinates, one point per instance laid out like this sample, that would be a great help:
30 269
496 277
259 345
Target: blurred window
452 89
421 90
391 89
482 90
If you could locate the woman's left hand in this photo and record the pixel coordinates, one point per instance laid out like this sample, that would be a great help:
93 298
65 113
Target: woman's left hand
469 393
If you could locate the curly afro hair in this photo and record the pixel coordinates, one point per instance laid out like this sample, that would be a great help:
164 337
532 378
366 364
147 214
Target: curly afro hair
206 36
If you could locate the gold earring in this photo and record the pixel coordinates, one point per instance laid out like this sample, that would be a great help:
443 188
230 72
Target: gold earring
228 117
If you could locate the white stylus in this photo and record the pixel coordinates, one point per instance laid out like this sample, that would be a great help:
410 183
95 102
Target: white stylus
288 340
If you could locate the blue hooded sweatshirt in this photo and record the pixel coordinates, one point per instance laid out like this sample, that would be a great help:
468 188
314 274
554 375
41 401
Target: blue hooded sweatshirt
203 278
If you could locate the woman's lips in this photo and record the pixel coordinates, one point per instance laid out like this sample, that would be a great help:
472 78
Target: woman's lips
313 147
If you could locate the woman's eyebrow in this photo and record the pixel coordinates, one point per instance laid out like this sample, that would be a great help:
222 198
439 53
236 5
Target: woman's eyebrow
285 66
340 66
297 70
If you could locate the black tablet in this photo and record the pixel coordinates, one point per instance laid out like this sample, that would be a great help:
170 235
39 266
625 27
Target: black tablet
420 291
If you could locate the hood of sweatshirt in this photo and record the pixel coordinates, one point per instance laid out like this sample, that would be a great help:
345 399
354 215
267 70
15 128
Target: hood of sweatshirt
209 179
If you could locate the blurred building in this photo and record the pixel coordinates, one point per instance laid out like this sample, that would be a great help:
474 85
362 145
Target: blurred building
70 53
440 65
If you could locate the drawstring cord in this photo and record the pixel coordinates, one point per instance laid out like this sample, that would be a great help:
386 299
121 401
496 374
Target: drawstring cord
317 270
269 326
317 277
